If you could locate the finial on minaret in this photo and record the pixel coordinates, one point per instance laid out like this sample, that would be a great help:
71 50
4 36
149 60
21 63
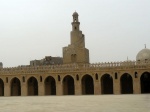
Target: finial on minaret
145 46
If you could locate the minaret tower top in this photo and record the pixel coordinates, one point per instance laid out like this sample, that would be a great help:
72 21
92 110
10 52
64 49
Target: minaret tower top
75 17
75 23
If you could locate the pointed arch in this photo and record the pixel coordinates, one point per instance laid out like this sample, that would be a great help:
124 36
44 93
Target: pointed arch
107 84
1 87
15 87
32 86
145 82
50 86
126 84
87 85
68 85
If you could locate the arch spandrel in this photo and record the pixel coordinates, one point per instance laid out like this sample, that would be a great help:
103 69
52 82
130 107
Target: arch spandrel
141 73
36 77
44 78
129 73
66 76
85 75
3 80
10 79
102 74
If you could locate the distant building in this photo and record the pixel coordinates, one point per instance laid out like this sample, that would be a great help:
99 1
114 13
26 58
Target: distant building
48 60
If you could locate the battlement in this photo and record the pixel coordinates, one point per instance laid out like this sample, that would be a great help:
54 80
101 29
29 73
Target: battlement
74 67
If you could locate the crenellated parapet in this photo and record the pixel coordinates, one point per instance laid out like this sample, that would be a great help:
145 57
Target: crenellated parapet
74 67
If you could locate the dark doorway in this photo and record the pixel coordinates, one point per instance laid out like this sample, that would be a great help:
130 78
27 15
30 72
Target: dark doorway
107 84
68 85
15 87
1 87
126 84
32 86
50 86
87 85
145 82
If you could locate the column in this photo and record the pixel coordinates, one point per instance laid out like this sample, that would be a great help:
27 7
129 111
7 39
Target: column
6 89
97 87
59 88
78 88
24 91
116 86
41 91
136 86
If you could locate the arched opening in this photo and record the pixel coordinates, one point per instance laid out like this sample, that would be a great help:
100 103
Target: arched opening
50 86
126 84
68 85
87 85
145 82
1 87
107 84
32 86
15 87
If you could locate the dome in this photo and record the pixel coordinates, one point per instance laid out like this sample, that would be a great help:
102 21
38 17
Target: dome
75 14
143 55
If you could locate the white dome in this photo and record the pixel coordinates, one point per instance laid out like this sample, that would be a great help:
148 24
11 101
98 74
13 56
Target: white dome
143 55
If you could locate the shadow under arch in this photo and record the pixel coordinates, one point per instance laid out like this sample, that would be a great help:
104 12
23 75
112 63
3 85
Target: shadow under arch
87 85
1 87
107 84
126 83
50 86
32 86
15 87
68 85
145 82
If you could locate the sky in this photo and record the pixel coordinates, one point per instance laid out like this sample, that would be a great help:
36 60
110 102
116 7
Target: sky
33 29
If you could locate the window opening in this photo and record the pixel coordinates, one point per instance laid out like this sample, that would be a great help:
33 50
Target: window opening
116 76
23 78
6 79
40 78
96 76
58 78
135 74
77 77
